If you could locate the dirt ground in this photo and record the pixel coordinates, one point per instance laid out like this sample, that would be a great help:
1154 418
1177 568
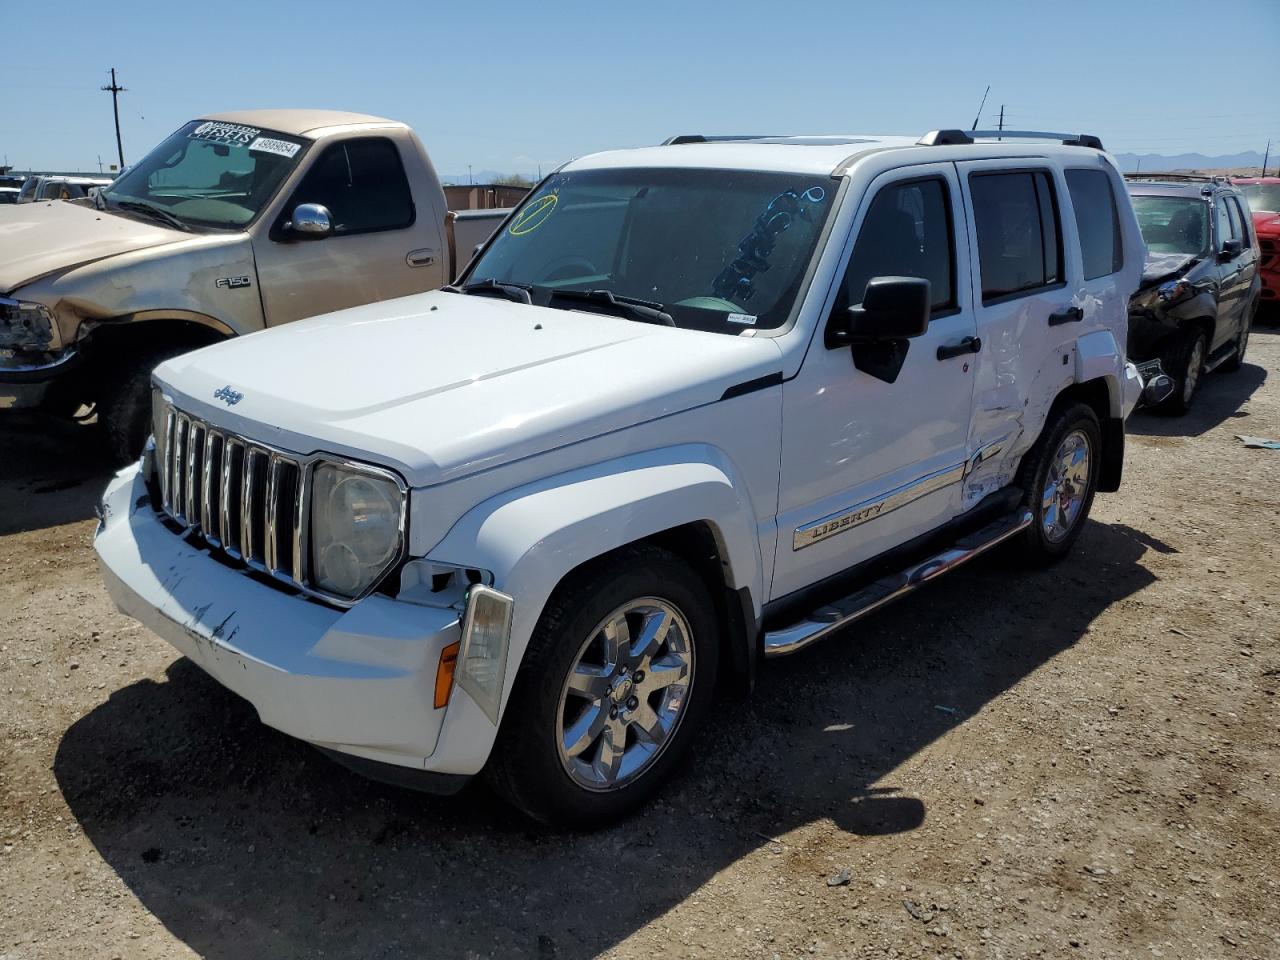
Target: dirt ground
1079 762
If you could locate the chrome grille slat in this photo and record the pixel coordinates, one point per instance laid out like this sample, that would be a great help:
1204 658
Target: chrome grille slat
247 500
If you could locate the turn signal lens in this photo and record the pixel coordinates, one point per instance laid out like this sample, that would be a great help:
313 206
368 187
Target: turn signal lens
444 673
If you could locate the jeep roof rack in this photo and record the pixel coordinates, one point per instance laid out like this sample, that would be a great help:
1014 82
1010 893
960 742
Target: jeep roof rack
1187 177
703 138
951 138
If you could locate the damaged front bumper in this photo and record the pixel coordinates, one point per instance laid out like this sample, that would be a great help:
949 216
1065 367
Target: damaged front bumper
358 682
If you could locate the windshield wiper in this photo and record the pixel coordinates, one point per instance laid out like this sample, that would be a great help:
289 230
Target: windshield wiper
630 308
155 212
519 292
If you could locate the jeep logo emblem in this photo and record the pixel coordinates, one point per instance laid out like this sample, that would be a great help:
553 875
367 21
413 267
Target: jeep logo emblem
228 396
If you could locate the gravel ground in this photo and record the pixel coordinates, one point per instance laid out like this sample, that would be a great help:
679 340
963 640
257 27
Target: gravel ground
1079 762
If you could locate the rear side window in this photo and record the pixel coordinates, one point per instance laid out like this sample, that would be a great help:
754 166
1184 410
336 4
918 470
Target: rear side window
363 184
1019 244
1097 222
906 233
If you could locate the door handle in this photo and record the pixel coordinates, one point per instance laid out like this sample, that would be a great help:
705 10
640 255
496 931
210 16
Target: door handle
420 258
967 345
1069 315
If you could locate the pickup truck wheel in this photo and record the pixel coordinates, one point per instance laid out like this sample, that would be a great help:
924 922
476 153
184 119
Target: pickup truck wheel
124 407
615 682
1060 477
1184 360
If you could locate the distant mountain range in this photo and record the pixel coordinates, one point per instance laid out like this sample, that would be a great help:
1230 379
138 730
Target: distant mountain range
477 176
1192 161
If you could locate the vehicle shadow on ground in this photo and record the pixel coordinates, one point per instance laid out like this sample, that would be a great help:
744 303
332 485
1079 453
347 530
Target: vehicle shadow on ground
1220 398
52 471
243 842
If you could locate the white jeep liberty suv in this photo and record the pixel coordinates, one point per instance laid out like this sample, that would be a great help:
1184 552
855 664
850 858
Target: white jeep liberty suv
691 406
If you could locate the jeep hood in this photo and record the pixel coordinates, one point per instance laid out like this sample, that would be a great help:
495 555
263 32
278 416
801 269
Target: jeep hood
47 237
1165 266
441 385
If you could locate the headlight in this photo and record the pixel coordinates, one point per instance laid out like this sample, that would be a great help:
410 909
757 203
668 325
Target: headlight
25 325
357 527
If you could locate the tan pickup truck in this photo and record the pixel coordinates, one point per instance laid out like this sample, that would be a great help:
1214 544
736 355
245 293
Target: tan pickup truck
236 222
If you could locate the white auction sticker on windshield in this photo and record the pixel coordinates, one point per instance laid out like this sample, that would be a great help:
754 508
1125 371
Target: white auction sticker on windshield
747 318
216 131
269 145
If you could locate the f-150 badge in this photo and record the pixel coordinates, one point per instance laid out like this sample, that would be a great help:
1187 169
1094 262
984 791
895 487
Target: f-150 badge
228 396
233 283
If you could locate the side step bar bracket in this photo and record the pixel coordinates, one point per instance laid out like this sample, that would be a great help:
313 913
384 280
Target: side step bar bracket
830 618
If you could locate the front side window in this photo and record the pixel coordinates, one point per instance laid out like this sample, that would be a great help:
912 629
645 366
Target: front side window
716 250
1261 196
1173 224
1226 229
1241 218
363 185
207 174
1019 248
1097 222
907 233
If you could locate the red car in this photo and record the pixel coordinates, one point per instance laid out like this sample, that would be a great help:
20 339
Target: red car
1263 194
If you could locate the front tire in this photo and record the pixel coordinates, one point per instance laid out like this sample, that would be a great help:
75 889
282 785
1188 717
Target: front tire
1184 360
614 685
1060 477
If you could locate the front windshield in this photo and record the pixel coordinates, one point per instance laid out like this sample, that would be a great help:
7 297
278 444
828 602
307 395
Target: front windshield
28 191
1261 196
718 250
1173 224
208 174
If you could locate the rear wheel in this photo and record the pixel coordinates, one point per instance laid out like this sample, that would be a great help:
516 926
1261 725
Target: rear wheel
1183 360
1060 477
615 682
1242 341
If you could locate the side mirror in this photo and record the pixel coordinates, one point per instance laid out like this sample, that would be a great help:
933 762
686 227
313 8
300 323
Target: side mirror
311 221
892 308
1231 249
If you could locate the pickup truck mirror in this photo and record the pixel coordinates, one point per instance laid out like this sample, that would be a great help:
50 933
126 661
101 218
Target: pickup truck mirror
1231 248
310 221
892 308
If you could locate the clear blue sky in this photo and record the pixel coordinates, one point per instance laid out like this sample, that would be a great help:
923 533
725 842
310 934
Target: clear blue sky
508 86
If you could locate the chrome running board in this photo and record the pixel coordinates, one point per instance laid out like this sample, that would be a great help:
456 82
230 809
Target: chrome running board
830 618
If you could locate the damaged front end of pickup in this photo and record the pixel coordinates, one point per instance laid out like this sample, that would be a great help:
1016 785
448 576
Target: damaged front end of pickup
32 354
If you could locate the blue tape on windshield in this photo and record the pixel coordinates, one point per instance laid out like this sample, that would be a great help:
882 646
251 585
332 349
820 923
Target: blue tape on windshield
734 282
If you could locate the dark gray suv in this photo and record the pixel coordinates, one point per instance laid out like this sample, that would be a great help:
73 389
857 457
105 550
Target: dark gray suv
1200 288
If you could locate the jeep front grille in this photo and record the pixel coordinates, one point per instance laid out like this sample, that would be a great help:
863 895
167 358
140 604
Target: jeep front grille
244 498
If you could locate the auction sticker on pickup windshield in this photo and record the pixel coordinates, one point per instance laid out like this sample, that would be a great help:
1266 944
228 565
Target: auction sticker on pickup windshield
284 148
231 134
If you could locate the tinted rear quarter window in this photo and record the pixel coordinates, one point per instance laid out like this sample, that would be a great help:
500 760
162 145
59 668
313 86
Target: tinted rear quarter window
906 233
363 184
1019 245
1097 222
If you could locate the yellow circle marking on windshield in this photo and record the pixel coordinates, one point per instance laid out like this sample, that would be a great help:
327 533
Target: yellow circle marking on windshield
534 215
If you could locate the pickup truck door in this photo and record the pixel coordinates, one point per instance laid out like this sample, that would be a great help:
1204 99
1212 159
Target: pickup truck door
868 464
383 245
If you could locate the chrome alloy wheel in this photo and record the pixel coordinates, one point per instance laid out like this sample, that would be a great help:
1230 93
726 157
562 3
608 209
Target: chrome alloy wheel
1191 377
1066 486
625 695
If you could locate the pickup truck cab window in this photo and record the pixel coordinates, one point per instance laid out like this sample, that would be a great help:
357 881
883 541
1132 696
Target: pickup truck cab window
1019 246
363 185
907 233
207 174
1097 222
717 250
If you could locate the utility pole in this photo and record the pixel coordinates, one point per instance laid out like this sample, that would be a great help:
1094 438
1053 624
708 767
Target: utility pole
1265 157
469 180
115 90
977 116
99 163
1001 127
